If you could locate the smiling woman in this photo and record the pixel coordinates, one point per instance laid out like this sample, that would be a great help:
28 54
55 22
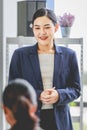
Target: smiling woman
43 29
51 69
10 28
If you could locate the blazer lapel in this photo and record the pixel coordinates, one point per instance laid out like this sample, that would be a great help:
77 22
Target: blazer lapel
57 64
36 66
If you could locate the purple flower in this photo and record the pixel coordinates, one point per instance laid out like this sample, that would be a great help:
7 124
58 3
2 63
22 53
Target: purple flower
66 20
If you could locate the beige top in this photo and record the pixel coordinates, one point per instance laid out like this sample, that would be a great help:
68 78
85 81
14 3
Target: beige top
47 68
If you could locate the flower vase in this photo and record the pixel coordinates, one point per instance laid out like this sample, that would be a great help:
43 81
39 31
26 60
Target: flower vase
65 31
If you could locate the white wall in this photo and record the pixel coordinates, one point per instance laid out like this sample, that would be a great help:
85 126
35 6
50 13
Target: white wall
1 60
10 18
8 28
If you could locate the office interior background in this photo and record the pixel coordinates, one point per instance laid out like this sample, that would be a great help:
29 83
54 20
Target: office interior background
9 28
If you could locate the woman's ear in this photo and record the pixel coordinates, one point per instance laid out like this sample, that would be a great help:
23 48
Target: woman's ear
5 109
56 27
32 111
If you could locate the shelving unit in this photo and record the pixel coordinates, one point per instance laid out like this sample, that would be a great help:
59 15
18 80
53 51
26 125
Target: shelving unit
68 42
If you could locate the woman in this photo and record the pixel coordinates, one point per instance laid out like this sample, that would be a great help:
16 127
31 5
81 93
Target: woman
52 70
20 104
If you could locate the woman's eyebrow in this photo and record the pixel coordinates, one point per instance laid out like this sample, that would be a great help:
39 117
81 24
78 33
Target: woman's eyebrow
36 25
39 25
47 25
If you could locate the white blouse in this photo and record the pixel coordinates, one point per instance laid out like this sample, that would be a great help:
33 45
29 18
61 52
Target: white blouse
47 68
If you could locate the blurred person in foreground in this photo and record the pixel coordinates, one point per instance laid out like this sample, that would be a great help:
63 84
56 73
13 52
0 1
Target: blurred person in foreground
20 105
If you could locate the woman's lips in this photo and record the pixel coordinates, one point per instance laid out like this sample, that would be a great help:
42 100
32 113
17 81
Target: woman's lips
43 38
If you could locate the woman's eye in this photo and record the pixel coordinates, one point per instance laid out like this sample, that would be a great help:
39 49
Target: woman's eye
47 27
37 28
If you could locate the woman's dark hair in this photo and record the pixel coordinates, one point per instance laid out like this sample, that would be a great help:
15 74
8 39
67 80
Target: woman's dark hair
17 96
45 12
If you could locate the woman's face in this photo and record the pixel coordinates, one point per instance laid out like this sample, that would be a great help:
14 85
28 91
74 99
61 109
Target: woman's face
44 30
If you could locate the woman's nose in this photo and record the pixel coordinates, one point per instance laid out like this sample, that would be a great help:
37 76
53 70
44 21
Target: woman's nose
42 31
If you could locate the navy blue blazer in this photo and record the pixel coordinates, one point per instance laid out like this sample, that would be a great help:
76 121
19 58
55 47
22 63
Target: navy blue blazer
66 79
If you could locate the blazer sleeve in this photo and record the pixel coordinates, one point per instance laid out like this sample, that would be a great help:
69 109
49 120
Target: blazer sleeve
73 90
14 69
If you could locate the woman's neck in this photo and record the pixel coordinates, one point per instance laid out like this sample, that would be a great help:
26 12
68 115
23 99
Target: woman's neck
46 48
